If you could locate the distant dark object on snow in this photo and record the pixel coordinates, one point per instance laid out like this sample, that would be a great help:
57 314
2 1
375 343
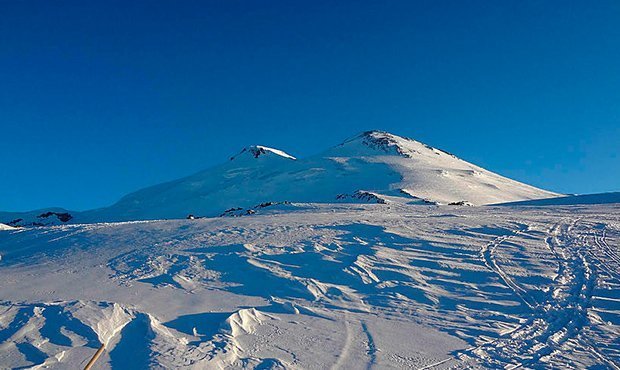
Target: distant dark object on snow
461 203
63 217
193 217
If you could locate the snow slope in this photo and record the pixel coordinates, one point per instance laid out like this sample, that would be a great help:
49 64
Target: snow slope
599 198
374 166
319 286
433 174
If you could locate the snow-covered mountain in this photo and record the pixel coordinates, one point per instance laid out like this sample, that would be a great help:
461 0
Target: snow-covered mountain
373 166
433 174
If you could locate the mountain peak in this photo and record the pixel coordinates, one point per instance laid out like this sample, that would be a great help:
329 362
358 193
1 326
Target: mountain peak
259 151
378 142
375 142
381 139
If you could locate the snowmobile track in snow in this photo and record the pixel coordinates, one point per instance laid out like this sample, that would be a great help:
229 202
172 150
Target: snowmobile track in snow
487 253
555 324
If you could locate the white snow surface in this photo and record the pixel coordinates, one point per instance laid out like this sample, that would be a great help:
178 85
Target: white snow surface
393 168
319 286
6 227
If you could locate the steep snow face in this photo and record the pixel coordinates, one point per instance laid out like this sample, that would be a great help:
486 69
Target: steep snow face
373 167
433 174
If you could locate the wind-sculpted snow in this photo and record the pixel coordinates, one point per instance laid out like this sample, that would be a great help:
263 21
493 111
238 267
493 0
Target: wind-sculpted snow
314 287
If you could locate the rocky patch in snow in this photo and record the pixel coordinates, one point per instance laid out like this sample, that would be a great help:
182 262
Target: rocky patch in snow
47 218
361 196
461 203
239 211
256 151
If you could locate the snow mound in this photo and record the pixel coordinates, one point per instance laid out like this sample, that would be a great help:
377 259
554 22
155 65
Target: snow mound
6 227
243 321
105 319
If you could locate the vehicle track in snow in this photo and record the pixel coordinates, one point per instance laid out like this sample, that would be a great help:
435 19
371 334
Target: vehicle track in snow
371 347
346 350
555 323
605 305
601 242
488 255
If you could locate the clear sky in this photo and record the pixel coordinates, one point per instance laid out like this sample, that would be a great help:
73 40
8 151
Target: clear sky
98 99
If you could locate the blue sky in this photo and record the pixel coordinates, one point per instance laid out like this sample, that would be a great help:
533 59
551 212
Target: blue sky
101 98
